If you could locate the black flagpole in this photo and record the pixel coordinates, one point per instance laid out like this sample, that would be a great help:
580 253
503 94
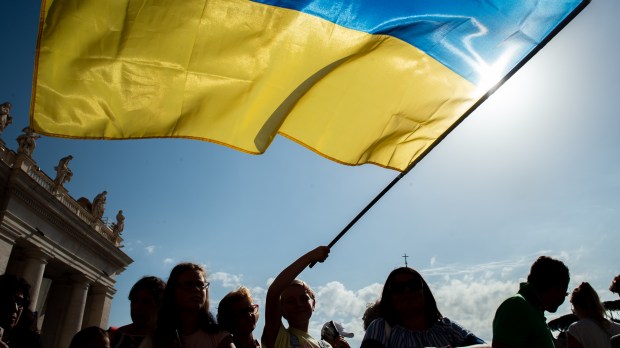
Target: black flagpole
535 50
375 200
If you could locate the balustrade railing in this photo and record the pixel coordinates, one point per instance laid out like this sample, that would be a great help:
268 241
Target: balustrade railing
33 171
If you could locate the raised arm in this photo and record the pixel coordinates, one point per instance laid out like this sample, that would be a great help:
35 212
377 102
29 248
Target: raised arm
273 313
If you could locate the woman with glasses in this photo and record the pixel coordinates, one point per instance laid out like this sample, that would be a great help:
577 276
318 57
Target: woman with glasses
184 320
237 313
593 329
293 300
409 317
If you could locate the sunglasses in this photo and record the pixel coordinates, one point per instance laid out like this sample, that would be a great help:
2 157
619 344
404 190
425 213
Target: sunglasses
249 310
414 285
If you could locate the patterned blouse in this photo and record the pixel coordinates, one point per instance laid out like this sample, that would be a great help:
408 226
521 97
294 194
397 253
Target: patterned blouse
444 332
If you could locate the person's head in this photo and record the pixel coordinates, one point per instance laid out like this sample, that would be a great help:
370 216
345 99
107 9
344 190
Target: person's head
90 337
186 294
14 297
146 296
297 303
615 285
237 313
406 293
371 313
187 288
550 278
332 331
586 303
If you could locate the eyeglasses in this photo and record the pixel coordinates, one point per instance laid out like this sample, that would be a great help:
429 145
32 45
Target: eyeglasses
249 310
414 285
190 285
18 301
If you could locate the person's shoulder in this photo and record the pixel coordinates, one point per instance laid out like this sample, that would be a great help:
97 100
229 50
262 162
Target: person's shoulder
377 323
445 321
512 303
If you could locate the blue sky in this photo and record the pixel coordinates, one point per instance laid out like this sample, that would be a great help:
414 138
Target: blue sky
535 170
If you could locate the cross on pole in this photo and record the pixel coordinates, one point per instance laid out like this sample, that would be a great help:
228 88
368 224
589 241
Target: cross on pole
405 256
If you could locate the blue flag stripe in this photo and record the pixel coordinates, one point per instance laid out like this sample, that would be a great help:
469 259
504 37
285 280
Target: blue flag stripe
470 37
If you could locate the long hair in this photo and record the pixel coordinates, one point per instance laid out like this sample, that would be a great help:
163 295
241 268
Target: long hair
586 300
168 320
390 314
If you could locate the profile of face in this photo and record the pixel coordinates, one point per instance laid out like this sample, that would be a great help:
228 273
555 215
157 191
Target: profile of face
553 298
245 315
296 304
144 307
191 291
11 308
407 293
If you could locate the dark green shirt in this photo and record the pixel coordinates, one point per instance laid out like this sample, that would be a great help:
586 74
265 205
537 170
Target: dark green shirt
520 321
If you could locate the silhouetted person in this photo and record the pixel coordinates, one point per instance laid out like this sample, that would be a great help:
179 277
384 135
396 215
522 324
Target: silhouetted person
409 317
293 300
146 297
184 319
371 313
334 333
593 329
14 302
520 320
90 337
237 313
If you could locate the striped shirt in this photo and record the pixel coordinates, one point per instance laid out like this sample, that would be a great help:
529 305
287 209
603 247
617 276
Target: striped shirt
444 332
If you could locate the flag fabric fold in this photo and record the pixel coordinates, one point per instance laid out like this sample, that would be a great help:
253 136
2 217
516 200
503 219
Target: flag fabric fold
362 81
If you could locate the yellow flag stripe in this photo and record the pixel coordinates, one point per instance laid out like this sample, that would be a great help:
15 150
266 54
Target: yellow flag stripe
237 73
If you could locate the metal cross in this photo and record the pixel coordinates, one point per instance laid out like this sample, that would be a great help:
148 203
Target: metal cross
405 256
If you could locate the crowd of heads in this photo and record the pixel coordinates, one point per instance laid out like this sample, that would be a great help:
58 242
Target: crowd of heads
168 312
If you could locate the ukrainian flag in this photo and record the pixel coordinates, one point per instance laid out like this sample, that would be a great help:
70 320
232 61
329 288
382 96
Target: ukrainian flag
358 81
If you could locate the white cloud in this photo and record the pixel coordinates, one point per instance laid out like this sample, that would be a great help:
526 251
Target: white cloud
472 302
231 281
433 260
150 249
168 261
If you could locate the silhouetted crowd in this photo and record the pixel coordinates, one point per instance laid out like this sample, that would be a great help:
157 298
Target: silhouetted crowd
176 314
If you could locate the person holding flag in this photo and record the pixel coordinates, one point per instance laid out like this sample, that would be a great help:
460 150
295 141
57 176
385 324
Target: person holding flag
293 300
